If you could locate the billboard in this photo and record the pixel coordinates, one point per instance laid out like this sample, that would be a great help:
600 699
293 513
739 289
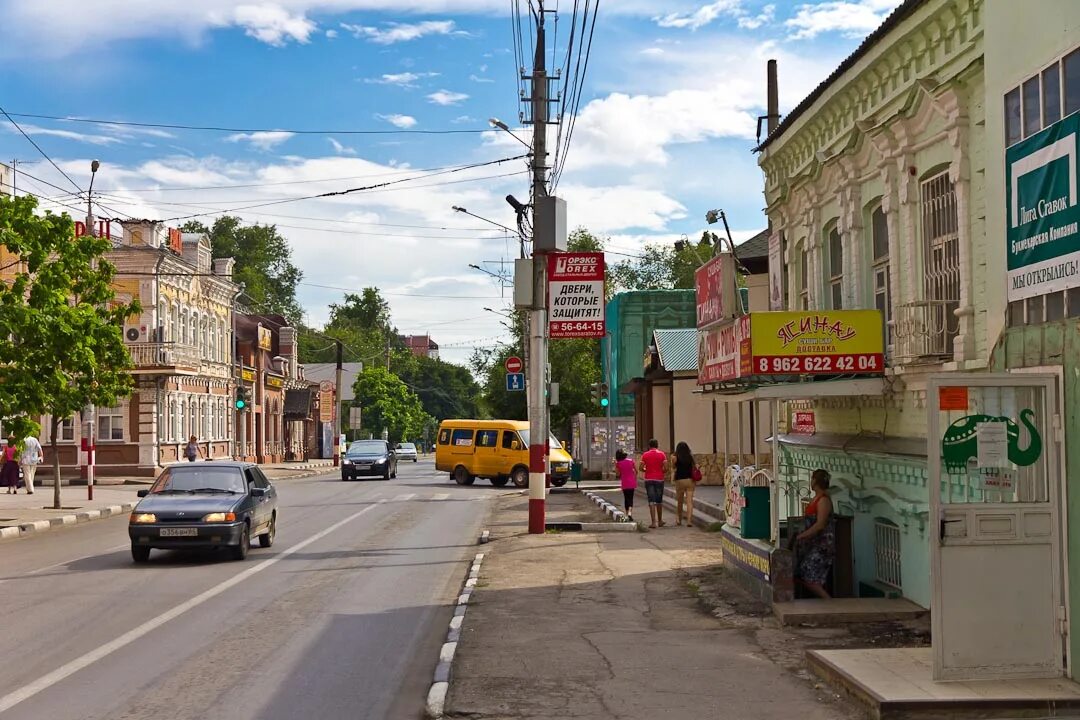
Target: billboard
714 287
576 295
724 351
1043 216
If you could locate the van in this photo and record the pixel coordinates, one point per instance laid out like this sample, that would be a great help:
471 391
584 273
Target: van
494 449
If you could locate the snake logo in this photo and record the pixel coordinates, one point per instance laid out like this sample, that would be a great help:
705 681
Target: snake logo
960 443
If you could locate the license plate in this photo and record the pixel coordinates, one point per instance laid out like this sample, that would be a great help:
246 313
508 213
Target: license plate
363 467
179 532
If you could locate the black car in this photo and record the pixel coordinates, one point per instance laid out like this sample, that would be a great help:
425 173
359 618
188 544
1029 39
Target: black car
369 457
205 505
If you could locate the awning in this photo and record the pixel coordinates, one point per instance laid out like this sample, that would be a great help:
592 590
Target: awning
297 404
809 390
889 445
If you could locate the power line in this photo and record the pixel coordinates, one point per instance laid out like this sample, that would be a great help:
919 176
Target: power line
214 128
38 148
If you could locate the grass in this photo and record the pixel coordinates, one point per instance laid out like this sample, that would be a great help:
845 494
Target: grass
715 527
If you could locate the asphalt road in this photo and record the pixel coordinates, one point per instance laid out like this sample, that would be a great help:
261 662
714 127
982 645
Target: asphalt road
342 618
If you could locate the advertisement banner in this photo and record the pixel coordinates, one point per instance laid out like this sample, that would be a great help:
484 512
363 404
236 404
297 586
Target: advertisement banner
724 352
576 295
1042 213
829 342
326 401
714 286
803 422
776 273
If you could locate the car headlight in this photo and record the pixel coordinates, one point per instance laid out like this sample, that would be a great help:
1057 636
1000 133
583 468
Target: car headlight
346 462
220 517
143 518
380 461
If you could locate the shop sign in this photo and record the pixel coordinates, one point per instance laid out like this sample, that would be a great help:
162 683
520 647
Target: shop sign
724 352
326 401
776 273
749 557
247 375
1042 211
833 342
176 241
576 295
274 382
803 422
714 287
266 340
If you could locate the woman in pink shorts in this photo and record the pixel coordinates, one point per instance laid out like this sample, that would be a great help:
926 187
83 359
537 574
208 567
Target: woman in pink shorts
627 480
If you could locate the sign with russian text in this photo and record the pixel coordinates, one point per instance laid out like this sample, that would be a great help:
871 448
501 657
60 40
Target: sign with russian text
714 287
828 342
724 352
1042 211
576 295
326 401
748 556
803 422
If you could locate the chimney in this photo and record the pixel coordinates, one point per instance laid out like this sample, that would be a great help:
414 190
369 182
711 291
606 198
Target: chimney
773 108
224 267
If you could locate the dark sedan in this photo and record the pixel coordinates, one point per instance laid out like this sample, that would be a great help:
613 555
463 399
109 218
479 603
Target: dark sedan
369 457
205 505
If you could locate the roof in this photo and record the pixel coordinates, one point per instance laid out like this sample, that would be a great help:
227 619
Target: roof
905 9
754 248
678 349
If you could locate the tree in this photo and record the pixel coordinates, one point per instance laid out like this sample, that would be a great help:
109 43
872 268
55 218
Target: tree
263 263
389 405
445 390
65 326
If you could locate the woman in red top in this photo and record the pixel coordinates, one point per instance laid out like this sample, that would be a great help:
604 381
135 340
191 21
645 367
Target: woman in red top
10 472
817 548
654 465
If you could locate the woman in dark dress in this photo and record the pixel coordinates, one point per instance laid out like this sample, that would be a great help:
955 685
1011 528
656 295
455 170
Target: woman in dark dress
817 541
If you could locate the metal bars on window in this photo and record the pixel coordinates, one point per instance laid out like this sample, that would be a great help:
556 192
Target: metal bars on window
941 260
887 553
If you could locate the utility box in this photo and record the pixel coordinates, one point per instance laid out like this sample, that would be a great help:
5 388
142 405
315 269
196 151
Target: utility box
549 224
754 518
523 283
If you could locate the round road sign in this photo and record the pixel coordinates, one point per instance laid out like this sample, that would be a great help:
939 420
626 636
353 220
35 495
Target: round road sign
513 364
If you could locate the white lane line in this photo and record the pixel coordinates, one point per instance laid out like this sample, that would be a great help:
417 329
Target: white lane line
64 671
404 497
441 496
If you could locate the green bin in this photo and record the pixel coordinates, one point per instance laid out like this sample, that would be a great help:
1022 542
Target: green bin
575 472
754 516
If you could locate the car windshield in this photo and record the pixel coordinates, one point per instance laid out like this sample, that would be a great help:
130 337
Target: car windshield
201 479
370 447
553 442
407 446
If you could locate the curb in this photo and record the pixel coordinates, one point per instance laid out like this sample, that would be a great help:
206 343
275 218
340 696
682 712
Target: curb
440 685
39 526
613 512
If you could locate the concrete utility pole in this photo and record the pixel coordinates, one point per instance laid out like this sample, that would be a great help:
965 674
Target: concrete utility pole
538 357
92 435
338 395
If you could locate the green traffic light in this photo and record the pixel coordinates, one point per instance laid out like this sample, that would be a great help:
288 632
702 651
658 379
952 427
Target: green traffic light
240 404
603 402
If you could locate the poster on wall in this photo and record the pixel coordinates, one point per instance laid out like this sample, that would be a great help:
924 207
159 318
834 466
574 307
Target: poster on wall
1042 211
576 295
714 289
776 273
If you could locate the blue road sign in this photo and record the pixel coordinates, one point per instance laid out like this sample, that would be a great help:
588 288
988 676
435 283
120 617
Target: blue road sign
515 382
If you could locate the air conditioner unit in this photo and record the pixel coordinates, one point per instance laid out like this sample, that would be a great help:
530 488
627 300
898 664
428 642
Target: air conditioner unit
135 333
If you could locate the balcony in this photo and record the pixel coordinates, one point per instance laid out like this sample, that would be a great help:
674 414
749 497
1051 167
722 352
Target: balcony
924 331
164 357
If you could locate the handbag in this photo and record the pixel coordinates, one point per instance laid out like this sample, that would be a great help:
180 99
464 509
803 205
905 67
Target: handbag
695 474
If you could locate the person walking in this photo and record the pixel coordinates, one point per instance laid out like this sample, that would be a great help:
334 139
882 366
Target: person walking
654 466
32 456
817 541
627 480
9 473
683 471
192 450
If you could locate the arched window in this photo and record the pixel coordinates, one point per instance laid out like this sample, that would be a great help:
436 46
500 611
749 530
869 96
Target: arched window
835 247
879 264
226 347
193 329
174 420
162 321
803 286
204 342
183 326
181 424
213 340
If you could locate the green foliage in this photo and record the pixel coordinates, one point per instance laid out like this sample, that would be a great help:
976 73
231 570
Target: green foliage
389 404
263 263
66 349
445 390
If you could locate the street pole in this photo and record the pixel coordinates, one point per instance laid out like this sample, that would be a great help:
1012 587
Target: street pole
607 380
538 431
92 436
338 394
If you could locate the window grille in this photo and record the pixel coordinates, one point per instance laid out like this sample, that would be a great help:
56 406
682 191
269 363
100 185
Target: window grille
887 553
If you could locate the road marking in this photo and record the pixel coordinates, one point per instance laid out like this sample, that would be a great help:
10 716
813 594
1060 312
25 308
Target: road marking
441 496
64 671
404 497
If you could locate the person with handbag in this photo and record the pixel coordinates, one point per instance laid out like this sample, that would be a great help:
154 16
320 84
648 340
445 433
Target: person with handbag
686 474
9 473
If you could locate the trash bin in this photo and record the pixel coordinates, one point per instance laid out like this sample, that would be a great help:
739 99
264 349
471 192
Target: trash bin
754 518
575 472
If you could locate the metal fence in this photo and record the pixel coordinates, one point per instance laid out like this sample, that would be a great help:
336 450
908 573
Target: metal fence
887 552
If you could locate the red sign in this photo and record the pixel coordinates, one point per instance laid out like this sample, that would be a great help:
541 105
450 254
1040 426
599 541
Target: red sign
804 423
714 285
953 398
176 241
104 228
513 364
724 352
576 295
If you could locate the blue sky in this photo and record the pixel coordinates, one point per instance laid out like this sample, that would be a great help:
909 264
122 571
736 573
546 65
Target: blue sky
664 131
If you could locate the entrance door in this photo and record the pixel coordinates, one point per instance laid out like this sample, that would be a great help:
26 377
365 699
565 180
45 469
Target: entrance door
995 526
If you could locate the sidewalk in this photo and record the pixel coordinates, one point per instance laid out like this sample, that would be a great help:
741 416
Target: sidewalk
606 625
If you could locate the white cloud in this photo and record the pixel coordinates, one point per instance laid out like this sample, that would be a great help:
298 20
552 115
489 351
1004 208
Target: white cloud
331 34
852 19
266 140
447 97
652 51
339 148
393 32
700 17
461 119
625 207
479 79
272 24
402 121
91 138
403 79
753 22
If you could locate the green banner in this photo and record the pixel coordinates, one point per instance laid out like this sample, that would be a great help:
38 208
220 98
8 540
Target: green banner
1042 212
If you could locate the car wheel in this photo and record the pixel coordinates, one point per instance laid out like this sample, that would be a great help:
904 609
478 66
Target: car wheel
500 481
140 554
558 483
394 474
240 551
267 538
520 476
344 477
461 476
414 460
386 475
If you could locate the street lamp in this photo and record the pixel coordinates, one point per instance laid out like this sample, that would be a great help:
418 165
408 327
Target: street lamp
488 272
497 123
505 315
457 208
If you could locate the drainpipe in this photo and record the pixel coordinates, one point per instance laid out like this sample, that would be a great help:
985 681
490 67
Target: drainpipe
236 415
161 411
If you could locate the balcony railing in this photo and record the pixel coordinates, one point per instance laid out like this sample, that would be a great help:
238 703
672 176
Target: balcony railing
924 330
164 355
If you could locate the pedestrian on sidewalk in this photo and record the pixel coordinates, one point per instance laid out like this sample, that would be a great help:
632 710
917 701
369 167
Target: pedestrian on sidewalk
654 466
192 450
817 541
9 474
627 480
32 456
684 471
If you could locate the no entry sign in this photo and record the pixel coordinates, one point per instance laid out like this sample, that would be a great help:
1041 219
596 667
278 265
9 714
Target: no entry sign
576 295
513 364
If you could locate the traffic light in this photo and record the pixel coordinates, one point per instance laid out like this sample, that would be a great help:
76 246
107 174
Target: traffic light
599 393
241 398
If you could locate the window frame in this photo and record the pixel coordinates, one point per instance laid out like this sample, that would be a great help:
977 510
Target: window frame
482 435
803 277
116 421
880 267
458 431
834 250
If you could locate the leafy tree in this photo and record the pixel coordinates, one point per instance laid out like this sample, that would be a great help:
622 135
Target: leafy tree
389 404
445 390
366 311
263 262
66 347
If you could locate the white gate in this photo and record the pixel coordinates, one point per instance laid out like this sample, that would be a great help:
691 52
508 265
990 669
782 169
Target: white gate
995 503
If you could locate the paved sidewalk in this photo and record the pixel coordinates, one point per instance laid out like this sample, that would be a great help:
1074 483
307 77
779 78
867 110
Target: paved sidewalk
605 625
